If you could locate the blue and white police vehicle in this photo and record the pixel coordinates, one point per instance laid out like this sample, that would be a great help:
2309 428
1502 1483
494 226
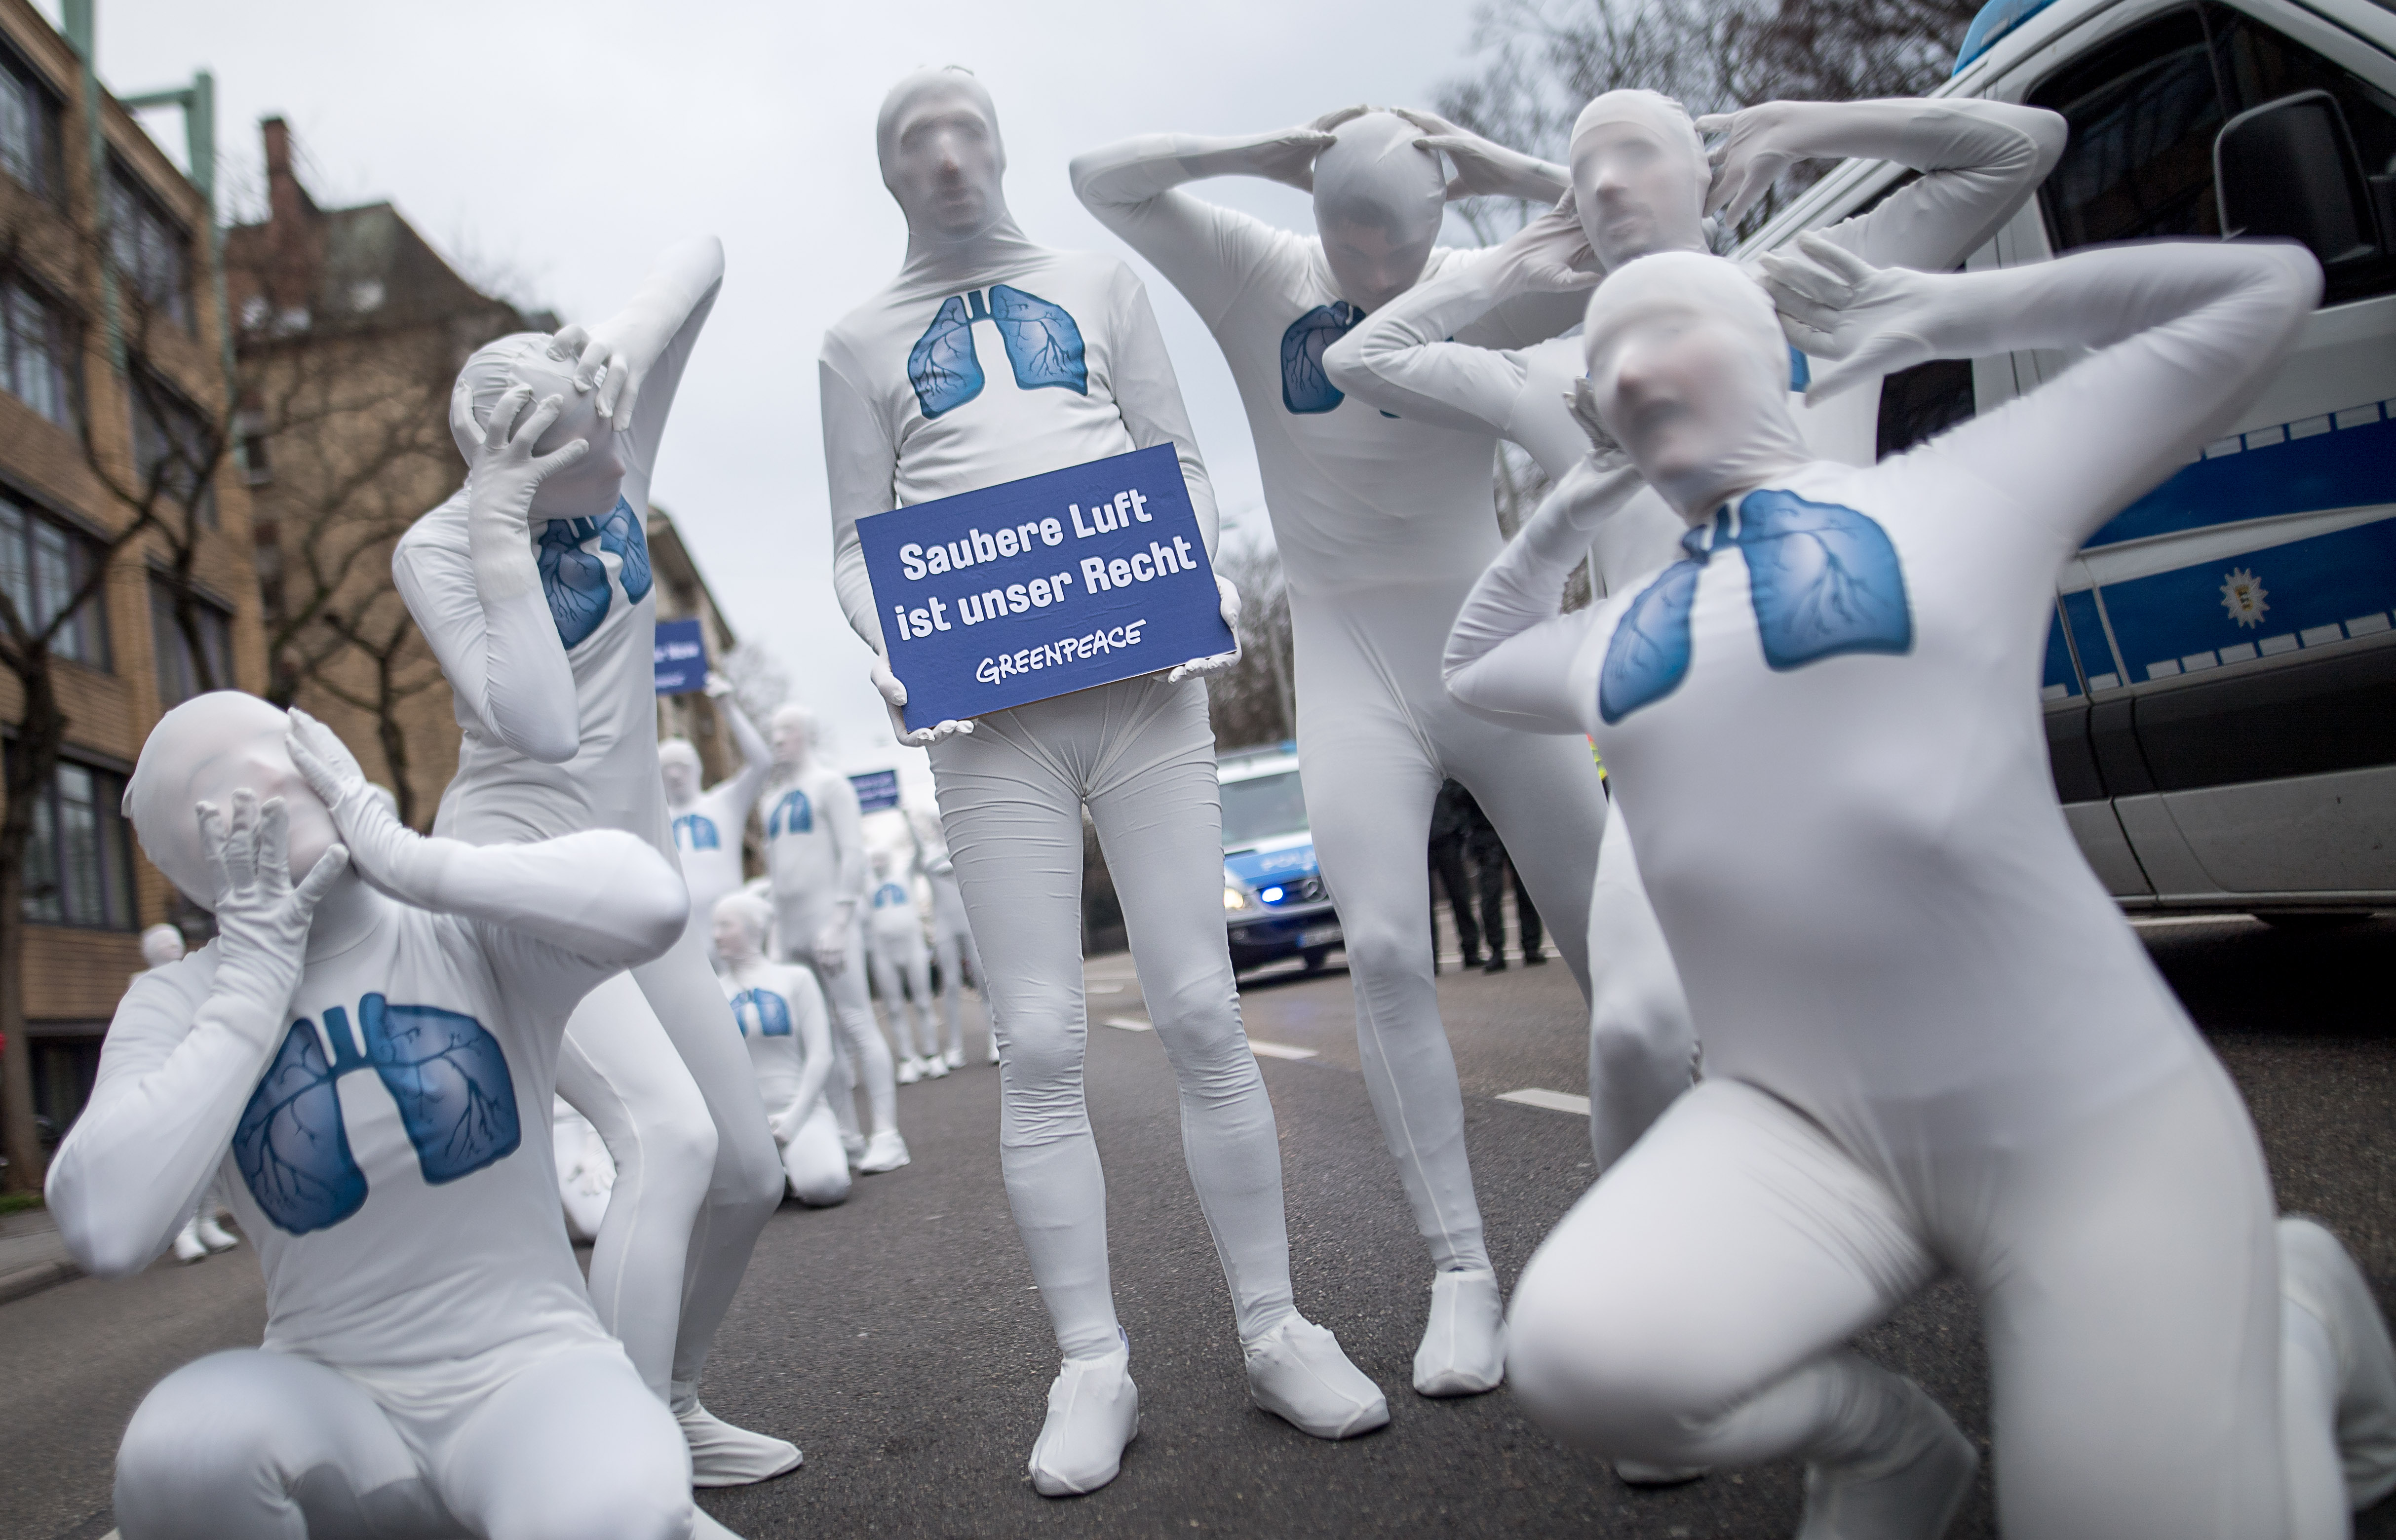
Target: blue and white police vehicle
2221 683
1274 903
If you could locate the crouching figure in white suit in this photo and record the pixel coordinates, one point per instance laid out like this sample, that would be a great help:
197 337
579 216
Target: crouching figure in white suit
782 1018
1932 1042
360 1056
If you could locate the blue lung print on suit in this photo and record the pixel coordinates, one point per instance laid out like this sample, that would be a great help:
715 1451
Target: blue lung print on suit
772 1012
1823 580
695 832
446 1073
792 815
1305 387
1043 341
889 895
576 581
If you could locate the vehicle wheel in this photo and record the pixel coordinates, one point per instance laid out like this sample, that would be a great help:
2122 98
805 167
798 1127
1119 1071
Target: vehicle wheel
2302 920
1315 959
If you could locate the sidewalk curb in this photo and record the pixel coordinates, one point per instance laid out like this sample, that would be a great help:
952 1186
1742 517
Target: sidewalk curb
34 1280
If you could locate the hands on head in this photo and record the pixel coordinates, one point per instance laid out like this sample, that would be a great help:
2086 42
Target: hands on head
1834 305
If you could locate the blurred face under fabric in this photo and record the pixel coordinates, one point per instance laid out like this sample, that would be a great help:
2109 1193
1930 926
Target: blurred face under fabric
942 155
587 489
1639 178
1378 202
738 926
792 733
205 751
678 767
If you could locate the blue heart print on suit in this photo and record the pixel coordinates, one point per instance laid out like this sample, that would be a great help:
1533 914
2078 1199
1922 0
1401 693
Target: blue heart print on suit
1823 579
446 1073
792 815
695 832
1043 341
575 582
771 1011
1305 387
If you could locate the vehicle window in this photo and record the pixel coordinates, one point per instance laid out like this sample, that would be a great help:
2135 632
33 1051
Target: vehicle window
1923 401
1261 807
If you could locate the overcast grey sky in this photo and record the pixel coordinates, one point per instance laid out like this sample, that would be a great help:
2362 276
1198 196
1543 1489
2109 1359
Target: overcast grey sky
568 142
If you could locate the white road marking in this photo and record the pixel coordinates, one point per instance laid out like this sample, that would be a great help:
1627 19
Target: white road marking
1130 1024
1279 1050
1554 1101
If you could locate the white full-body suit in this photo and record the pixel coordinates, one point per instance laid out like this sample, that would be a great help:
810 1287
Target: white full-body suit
1639 182
162 946
788 1031
902 968
1138 755
708 825
1932 1042
952 942
1382 521
586 1173
816 862
546 636
361 1061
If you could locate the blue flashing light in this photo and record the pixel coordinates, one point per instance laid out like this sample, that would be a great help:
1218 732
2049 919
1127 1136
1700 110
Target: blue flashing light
1997 18
1272 895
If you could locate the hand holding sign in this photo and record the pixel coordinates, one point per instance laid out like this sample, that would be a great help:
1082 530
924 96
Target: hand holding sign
894 695
1199 668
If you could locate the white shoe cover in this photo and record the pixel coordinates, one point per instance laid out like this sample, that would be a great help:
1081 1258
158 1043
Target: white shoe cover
213 1235
189 1247
935 1067
1911 1492
1639 1473
1463 1349
853 1145
704 1527
722 1456
955 1058
884 1152
1093 1412
2319 1278
1297 1372
910 1071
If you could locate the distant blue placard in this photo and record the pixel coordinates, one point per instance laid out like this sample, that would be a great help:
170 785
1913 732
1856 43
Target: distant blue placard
681 657
1035 588
877 790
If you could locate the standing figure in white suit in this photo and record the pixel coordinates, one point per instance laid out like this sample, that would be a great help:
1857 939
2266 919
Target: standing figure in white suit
1084 377
902 971
815 859
708 825
952 942
532 586
1642 182
1382 521
782 1019
359 1056
1932 1043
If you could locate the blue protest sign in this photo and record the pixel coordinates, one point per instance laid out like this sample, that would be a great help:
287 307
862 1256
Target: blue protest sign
877 790
1035 588
681 657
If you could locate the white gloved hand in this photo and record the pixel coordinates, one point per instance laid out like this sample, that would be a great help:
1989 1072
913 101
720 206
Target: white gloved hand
717 687
1604 453
1870 321
387 853
1750 158
1284 155
1484 166
1199 668
261 920
602 361
894 695
500 484
832 948
1550 255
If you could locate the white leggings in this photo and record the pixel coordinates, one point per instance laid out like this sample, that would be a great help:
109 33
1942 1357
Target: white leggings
953 948
653 1059
905 981
1372 759
862 1051
1692 1308
1643 1045
813 1161
1141 756
256 1445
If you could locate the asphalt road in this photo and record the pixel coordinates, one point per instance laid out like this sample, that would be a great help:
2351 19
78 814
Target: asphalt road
899 1340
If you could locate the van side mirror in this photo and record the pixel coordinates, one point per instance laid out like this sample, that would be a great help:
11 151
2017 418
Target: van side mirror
2288 168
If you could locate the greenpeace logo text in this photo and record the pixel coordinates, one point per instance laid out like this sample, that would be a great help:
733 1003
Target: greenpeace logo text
1050 654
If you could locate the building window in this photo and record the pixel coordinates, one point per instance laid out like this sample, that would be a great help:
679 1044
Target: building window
173 448
256 469
41 567
29 128
180 676
78 860
152 254
37 351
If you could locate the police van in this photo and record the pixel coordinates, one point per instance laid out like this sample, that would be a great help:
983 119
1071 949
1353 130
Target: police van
2220 682
1274 902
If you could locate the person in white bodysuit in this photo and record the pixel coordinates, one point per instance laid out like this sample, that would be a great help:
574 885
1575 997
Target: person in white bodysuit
585 1172
952 942
162 946
902 971
815 856
1932 1041
784 1021
1382 521
534 588
1012 786
356 1058
1642 182
708 825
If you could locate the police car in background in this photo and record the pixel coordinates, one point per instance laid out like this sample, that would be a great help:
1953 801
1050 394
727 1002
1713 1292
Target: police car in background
2220 681
1274 903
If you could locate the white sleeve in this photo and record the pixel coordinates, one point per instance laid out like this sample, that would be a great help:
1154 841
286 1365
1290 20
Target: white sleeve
1400 358
601 895
179 1066
811 1024
497 643
2187 334
740 789
839 809
665 318
1205 250
1150 397
1979 161
861 470
1509 654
